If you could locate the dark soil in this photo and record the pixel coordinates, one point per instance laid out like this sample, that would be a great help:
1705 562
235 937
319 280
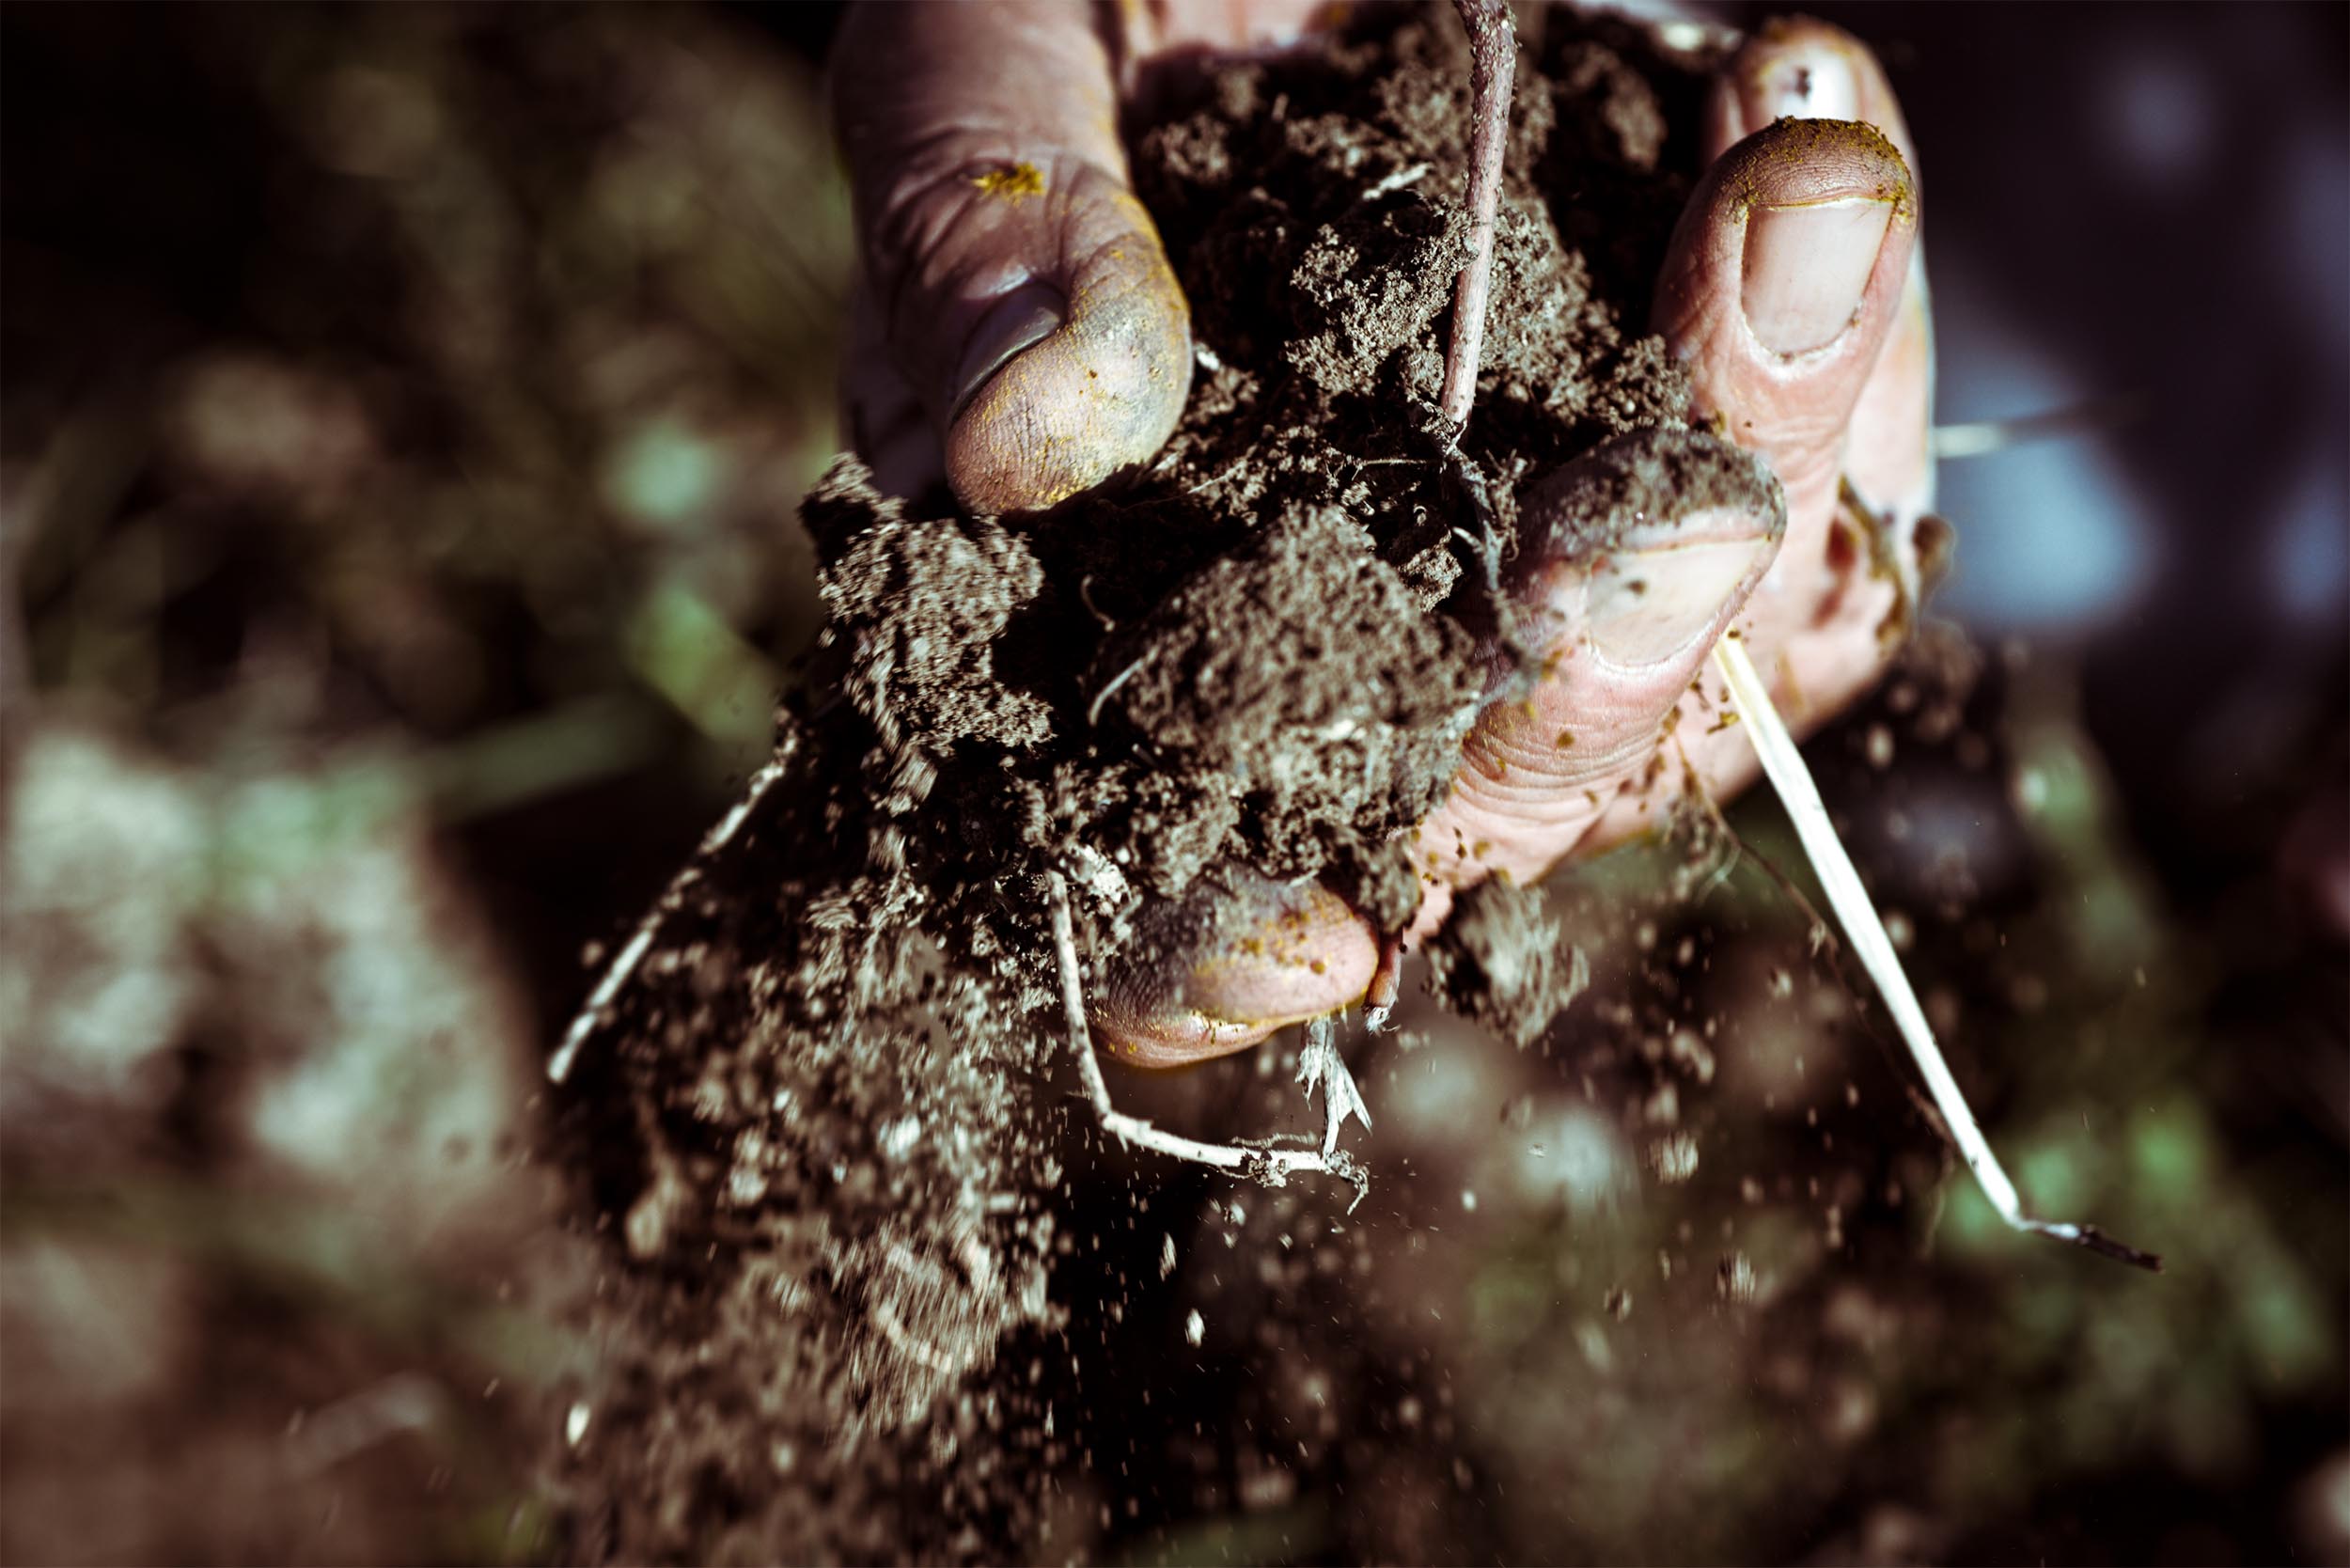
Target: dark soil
827 1124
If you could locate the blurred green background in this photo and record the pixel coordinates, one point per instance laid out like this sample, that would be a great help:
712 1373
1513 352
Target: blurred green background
405 411
406 414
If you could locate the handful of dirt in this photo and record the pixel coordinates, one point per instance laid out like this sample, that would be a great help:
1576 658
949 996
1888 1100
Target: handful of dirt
819 1113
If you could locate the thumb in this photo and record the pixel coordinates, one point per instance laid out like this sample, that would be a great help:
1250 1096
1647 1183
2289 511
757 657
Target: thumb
1021 290
1802 68
1777 292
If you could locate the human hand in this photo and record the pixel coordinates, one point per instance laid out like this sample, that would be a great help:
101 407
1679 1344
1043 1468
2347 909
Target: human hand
1017 330
1022 334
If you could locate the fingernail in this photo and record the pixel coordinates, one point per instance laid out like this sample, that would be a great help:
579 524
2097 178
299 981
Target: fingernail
1018 321
1811 79
1806 266
1644 606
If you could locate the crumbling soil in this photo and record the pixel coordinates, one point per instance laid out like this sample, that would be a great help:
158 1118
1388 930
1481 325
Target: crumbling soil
826 1124
1503 959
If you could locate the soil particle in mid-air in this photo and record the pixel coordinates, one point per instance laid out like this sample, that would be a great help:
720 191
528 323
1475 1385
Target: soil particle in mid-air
822 1123
1503 959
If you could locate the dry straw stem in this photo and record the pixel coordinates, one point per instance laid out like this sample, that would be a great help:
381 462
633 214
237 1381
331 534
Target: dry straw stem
1493 75
1269 1166
1783 764
640 941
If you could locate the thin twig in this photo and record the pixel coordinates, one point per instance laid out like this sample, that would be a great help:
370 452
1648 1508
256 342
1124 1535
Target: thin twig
1084 595
1093 713
1321 1066
1783 764
640 942
1821 937
1271 1166
1493 76
1486 541
1234 467
1981 437
1696 787
1397 180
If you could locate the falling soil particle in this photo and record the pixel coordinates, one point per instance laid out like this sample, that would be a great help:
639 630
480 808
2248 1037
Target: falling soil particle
821 1123
1503 959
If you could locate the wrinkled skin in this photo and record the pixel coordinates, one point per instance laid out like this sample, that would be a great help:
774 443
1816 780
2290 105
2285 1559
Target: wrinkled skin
1028 343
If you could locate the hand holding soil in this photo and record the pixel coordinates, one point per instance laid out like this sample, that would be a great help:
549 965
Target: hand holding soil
1025 335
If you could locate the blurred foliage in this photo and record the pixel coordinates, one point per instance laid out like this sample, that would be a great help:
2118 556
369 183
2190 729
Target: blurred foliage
405 415
523 361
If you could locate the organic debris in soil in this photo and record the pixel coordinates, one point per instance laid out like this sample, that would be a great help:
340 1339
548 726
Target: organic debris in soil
821 1115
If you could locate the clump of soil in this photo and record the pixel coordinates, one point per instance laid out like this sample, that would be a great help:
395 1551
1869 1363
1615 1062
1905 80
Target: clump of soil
1503 959
821 1121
